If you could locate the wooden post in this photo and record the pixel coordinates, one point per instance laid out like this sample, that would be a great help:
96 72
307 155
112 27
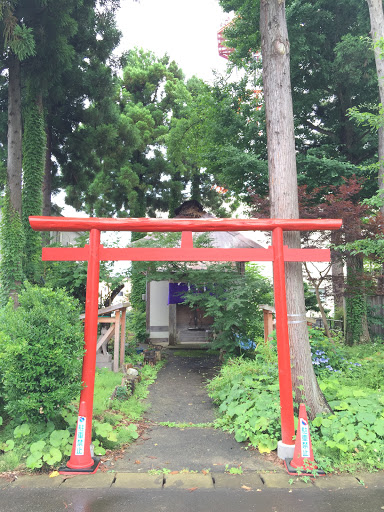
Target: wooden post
268 324
122 335
116 344
172 325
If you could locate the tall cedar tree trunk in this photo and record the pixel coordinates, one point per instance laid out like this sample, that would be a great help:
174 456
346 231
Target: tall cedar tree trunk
283 191
377 32
34 150
12 239
337 276
14 163
47 183
376 15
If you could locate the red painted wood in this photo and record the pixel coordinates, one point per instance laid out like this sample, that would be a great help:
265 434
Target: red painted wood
182 254
65 253
186 240
197 225
90 343
283 353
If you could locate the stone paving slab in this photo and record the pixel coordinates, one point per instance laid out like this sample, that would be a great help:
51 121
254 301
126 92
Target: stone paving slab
337 482
284 480
371 479
37 481
188 481
227 481
95 481
138 481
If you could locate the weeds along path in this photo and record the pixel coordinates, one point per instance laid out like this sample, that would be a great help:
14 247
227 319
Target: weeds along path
181 436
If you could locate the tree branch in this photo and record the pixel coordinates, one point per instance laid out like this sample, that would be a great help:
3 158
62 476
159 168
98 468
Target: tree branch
329 133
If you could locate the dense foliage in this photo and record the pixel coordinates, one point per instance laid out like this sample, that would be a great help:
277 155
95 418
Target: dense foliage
45 445
231 299
41 357
350 438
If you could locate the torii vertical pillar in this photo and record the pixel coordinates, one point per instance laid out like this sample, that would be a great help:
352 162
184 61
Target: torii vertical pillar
81 460
285 446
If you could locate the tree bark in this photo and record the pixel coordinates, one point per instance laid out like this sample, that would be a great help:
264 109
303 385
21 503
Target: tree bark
337 275
283 190
376 15
47 183
356 330
14 162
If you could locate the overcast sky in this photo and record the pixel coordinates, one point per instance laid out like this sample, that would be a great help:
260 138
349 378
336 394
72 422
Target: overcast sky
184 29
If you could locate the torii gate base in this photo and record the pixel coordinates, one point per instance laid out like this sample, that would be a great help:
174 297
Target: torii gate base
81 460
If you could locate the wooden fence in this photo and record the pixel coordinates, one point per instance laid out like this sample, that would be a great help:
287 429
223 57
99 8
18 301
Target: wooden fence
376 315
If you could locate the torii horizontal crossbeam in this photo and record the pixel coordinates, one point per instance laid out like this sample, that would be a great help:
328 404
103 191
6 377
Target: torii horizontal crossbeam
196 225
182 254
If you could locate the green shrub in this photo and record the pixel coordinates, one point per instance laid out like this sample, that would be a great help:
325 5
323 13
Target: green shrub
137 323
247 393
42 349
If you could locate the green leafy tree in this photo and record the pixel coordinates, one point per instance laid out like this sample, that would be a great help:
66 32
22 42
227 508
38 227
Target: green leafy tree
231 298
376 14
72 276
220 132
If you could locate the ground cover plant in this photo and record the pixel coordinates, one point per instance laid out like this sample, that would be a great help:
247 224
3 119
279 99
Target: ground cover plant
351 438
45 445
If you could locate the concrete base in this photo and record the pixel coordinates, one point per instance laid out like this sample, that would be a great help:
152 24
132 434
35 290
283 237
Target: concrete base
285 451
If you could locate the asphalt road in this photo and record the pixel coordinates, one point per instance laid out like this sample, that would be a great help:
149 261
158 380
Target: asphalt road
183 500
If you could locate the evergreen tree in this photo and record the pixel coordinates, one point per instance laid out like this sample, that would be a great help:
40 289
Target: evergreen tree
127 172
45 41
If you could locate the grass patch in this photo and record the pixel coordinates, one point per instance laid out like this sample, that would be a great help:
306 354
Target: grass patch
172 424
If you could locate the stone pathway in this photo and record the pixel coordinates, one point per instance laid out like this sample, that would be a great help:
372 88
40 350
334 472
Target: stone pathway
179 396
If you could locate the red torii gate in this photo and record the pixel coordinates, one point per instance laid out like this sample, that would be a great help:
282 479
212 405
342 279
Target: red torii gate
81 460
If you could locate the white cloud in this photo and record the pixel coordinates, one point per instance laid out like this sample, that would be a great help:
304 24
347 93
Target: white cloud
185 30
